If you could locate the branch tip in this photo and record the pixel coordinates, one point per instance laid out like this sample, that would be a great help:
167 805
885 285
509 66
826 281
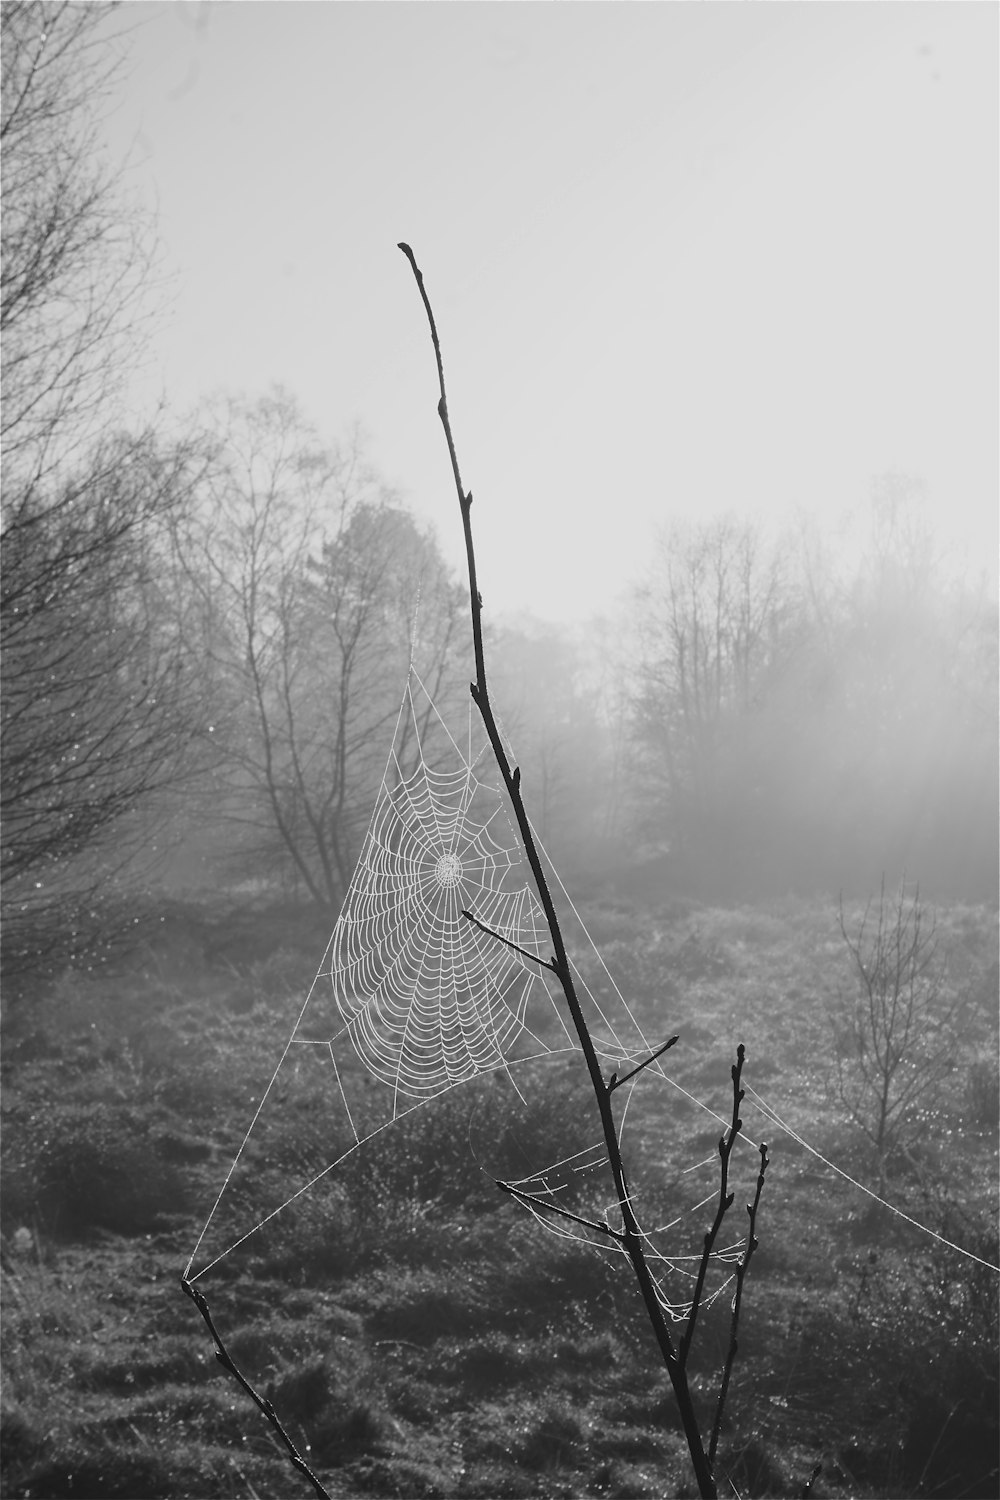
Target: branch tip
616 1082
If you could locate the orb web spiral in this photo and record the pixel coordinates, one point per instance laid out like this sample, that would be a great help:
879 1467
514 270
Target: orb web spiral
427 998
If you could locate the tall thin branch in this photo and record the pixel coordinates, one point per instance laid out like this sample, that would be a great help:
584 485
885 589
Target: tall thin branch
632 1239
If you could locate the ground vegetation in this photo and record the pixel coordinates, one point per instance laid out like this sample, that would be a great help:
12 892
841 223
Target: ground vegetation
418 1334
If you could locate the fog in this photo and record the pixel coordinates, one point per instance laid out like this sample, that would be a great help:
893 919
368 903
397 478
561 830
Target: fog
761 717
687 261
717 293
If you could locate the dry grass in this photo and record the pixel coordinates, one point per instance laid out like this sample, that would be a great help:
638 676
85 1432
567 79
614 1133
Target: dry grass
417 1334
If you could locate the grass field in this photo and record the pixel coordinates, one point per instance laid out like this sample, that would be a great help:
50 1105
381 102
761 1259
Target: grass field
422 1336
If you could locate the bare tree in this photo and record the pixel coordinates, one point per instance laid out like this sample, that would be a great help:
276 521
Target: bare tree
76 253
312 578
713 619
896 1042
93 717
93 708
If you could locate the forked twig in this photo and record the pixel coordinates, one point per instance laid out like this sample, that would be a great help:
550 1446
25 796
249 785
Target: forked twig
741 1271
631 1237
726 1144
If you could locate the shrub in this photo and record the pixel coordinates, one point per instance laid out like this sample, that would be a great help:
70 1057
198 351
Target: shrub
451 1150
931 1323
89 1166
895 1042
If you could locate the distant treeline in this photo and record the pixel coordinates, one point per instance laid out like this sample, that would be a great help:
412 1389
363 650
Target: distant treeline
774 715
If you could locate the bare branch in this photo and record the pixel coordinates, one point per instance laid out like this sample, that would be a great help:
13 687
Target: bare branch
631 1237
532 1200
263 1404
616 1082
543 963
726 1144
741 1271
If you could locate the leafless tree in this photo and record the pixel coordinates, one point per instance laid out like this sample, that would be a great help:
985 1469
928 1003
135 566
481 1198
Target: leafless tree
312 579
896 1042
76 253
93 709
93 683
712 627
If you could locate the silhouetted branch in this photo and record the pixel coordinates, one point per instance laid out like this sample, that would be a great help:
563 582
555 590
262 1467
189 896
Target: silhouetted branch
535 959
741 1272
631 1237
530 1200
726 1144
615 1082
226 1361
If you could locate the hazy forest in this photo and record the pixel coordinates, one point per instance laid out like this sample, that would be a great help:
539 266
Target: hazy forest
769 782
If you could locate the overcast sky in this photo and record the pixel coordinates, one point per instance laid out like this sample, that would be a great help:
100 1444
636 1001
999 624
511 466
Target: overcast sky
685 257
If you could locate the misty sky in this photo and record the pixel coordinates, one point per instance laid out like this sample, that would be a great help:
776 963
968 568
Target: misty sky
685 258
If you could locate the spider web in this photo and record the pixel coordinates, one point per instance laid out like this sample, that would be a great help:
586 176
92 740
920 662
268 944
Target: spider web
425 997
412 999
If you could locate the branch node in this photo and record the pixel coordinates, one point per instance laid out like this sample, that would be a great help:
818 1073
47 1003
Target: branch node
616 1082
490 932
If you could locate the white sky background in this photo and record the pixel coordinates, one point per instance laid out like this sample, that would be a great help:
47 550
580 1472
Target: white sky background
685 258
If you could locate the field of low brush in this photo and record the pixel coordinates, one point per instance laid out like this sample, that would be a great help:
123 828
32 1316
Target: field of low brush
421 1335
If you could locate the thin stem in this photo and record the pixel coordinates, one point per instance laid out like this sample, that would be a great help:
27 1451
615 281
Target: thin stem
617 1082
532 1201
226 1361
726 1144
524 952
632 1237
741 1272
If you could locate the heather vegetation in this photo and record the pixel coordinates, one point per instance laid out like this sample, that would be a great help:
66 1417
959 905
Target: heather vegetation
418 1332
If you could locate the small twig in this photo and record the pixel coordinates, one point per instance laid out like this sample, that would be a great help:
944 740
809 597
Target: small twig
616 1082
599 1227
741 1272
726 1144
226 1361
807 1490
545 963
